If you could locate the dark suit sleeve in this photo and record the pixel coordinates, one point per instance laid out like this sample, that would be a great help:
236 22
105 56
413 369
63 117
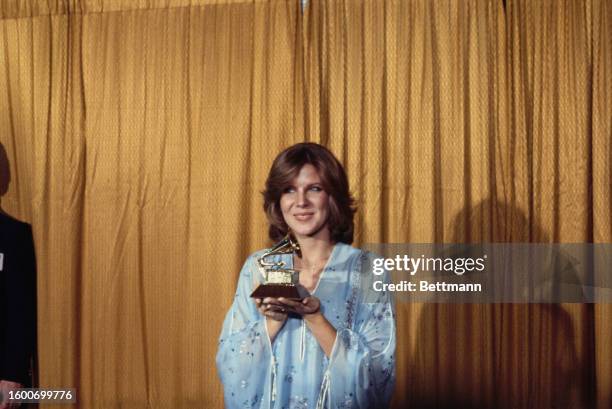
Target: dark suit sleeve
20 310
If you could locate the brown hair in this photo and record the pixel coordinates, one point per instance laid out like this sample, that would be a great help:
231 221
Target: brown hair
286 167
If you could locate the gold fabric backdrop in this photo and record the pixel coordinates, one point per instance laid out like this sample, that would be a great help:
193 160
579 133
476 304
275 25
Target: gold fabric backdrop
139 135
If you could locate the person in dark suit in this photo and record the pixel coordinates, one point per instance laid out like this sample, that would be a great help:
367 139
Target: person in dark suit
17 298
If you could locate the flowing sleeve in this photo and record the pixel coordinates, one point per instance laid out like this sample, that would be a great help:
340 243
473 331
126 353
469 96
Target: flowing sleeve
361 369
244 354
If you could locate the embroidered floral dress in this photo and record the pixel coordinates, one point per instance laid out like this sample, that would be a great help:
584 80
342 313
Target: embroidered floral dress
293 371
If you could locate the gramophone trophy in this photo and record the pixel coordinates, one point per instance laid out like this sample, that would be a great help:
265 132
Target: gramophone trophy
280 281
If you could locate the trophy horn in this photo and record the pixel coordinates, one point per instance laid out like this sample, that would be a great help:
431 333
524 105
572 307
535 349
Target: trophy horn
287 245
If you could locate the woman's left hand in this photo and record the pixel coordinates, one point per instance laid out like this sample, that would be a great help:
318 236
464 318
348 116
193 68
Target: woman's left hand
309 305
310 310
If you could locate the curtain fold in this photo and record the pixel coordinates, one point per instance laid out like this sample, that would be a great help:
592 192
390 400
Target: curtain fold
129 134
139 135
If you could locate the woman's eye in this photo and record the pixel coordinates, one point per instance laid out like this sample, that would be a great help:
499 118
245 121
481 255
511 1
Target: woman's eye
316 189
289 190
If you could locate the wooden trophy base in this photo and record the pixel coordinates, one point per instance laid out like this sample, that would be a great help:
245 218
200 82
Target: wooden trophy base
293 292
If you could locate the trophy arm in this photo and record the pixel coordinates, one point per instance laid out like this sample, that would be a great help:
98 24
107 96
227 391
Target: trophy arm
267 264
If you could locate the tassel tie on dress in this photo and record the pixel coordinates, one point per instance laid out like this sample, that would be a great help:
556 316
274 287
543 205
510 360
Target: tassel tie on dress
324 394
273 393
303 340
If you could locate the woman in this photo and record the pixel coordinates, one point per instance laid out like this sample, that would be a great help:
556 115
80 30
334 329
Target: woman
333 349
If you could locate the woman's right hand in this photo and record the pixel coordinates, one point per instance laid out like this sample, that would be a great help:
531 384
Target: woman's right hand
275 313
272 308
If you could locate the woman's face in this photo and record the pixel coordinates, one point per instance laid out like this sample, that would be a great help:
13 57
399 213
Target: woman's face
305 205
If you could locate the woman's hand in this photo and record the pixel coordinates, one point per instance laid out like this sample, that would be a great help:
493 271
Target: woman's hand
309 305
310 310
275 313
272 308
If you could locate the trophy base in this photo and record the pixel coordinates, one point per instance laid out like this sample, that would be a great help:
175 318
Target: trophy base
293 292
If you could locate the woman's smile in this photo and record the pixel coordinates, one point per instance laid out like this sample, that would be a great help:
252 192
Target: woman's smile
305 204
303 217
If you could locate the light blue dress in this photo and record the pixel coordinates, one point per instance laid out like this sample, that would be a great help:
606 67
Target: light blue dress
293 371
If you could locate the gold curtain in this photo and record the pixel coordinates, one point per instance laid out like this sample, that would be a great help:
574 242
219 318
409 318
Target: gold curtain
476 121
139 135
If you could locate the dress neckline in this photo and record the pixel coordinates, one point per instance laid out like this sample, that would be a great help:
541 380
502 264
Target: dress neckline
325 268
